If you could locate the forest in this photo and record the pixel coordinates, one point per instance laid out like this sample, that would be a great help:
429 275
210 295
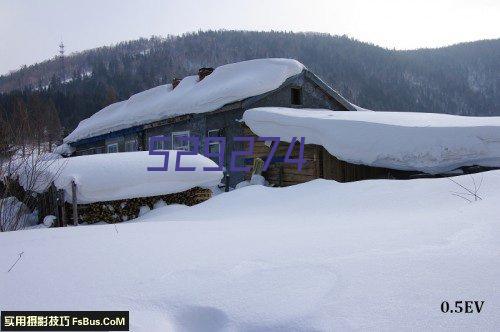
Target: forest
58 93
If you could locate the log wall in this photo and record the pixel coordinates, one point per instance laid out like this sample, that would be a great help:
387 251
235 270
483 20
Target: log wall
319 164
285 174
341 171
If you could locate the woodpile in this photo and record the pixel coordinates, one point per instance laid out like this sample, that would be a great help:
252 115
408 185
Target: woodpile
126 209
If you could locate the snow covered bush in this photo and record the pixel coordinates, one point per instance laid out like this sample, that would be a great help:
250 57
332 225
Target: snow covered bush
26 139
49 220
15 215
23 175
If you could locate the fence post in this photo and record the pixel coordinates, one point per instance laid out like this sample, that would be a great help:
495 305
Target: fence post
52 204
62 207
57 207
280 175
75 203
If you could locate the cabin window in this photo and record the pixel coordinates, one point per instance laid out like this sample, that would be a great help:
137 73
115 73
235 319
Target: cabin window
297 96
131 145
99 150
213 147
179 144
160 144
112 148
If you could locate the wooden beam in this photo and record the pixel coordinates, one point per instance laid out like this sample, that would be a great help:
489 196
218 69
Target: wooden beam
62 208
280 176
74 201
58 209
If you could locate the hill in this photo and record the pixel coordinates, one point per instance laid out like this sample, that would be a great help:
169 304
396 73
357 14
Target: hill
460 79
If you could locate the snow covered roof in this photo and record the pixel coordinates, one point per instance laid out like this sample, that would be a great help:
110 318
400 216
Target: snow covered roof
64 149
227 84
427 142
113 176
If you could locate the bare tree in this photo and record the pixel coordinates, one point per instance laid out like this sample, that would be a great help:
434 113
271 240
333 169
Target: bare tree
24 168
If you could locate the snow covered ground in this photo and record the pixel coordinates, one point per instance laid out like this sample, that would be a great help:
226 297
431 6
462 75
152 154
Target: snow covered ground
427 142
320 256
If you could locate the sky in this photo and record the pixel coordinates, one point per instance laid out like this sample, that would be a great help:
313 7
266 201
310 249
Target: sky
31 30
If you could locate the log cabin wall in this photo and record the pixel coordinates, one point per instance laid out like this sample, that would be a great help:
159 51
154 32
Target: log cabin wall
341 171
313 93
282 174
319 163
285 174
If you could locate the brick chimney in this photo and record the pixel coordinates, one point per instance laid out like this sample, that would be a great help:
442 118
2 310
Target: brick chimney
204 72
175 82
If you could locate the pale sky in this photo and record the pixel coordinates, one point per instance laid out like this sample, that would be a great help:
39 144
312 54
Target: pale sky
31 30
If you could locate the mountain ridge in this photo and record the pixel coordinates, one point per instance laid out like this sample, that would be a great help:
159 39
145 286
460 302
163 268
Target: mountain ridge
459 79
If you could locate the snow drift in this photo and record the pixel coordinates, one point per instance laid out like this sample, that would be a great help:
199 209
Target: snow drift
310 257
427 142
227 84
113 176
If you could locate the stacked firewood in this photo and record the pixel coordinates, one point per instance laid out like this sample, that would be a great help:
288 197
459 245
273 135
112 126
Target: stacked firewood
126 209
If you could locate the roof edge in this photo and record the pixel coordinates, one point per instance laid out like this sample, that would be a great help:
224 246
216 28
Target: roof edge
247 102
337 96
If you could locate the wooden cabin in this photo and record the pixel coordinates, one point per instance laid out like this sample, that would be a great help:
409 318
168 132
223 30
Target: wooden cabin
302 90
320 164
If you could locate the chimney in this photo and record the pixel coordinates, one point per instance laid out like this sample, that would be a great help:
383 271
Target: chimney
175 82
204 72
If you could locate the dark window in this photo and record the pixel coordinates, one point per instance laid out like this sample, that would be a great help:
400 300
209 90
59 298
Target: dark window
213 147
178 144
296 96
113 148
159 144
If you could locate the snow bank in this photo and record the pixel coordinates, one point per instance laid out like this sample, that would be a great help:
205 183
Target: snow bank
431 143
113 176
227 84
309 257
